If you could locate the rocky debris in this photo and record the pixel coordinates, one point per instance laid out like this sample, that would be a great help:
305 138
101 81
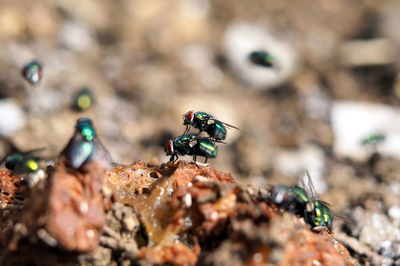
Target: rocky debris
173 254
362 253
195 214
176 214
13 192
119 240
76 209
374 234
65 213
128 181
305 249
162 219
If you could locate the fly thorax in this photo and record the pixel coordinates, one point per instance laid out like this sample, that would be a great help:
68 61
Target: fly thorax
88 133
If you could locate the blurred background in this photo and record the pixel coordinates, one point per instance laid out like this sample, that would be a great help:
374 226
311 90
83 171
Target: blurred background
329 104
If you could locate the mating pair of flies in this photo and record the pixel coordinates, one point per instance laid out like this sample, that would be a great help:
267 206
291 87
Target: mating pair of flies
195 145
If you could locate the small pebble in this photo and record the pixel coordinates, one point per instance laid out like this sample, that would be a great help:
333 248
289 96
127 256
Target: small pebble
46 237
77 37
394 212
129 223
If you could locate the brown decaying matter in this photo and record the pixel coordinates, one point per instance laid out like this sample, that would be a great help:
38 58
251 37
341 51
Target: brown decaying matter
188 213
76 211
191 211
63 214
13 192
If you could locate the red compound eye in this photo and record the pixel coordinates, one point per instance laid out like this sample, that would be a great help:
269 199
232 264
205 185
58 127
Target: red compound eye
171 146
191 116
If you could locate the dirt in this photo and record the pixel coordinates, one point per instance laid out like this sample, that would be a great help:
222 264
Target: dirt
147 64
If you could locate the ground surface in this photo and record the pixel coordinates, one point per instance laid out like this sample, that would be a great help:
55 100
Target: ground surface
147 63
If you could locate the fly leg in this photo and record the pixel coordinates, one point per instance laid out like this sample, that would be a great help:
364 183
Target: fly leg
173 158
199 133
187 129
194 160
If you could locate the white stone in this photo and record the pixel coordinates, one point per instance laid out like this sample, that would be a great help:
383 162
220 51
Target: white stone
394 212
241 39
353 121
77 36
12 117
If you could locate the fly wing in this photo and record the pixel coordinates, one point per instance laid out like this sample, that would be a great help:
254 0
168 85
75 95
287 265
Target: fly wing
225 124
77 152
101 154
303 185
230 126
334 214
325 203
311 187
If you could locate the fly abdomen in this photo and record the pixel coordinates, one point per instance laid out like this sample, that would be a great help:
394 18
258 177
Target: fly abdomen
205 148
216 131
